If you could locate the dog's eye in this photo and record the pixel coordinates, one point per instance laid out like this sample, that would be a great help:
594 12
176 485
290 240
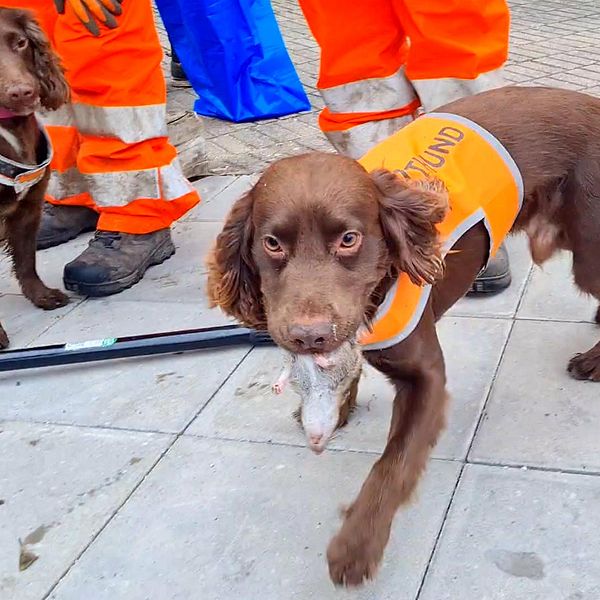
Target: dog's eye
350 239
21 43
272 244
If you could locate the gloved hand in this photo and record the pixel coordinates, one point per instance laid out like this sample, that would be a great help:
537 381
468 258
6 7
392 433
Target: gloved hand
90 12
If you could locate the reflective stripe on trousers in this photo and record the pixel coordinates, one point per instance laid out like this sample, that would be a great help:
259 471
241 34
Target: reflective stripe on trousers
119 188
370 72
130 124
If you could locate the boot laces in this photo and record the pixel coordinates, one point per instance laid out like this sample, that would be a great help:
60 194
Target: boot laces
106 239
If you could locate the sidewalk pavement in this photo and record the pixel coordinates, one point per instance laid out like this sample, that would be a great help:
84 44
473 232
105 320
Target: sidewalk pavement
184 478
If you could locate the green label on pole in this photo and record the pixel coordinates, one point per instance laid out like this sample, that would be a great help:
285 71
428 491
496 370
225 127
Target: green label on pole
104 343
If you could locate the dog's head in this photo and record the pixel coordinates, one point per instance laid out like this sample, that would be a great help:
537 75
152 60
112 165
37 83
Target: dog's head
302 253
30 72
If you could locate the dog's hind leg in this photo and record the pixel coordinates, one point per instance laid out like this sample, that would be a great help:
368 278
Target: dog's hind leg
580 221
586 272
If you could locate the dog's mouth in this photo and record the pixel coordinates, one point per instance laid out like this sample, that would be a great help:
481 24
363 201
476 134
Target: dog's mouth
24 110
307 341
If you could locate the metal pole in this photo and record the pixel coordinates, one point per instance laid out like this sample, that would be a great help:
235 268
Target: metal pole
132 346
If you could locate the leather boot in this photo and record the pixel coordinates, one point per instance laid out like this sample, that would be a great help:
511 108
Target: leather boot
115 261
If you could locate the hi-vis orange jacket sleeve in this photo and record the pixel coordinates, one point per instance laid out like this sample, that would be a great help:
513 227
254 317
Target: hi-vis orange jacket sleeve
382 61
111 150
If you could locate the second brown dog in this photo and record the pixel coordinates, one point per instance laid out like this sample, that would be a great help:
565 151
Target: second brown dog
30 78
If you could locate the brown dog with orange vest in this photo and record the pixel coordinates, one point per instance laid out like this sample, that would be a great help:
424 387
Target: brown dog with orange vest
324 245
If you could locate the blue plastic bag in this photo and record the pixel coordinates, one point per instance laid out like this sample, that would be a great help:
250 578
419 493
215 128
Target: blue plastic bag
234 57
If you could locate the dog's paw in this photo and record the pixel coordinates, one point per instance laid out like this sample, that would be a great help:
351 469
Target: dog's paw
585 366
50 299
354 554
3 339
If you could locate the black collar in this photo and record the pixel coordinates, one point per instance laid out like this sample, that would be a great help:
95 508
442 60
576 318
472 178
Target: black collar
20 176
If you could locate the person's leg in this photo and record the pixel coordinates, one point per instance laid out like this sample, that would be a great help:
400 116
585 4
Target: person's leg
177 72
361 78
121 163
458 48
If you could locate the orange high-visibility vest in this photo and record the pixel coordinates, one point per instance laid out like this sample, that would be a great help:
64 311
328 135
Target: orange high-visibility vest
484 185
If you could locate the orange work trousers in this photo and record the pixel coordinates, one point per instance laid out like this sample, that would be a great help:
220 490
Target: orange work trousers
385 61
111 150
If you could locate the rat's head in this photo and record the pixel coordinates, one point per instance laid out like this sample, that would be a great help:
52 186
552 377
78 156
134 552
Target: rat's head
303 251
328 385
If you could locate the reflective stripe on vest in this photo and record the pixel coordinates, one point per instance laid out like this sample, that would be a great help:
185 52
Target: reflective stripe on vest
484 185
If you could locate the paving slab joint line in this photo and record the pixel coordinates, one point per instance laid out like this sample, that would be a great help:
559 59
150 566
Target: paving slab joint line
474 435
134 489
116 428
72 306
439 533
537 468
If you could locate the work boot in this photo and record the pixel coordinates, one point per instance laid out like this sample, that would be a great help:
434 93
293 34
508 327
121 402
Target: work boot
495 277
60 224
115 261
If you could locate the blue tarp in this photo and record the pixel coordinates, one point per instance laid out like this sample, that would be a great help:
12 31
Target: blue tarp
234 56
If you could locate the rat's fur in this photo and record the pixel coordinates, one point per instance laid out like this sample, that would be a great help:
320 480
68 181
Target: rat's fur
323 382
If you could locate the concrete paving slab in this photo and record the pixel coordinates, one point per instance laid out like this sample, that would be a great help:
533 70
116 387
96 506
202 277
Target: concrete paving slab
246 409
58 487
99 318
178 279
24 322
210 186
50 264
537 414
221 520
518 535
505 304
181 278
551 294
215 207
151 394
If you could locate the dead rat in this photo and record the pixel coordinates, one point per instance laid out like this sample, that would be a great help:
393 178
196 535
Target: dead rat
327 386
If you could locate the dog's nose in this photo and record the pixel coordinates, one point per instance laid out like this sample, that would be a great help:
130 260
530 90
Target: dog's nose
311 337
20 93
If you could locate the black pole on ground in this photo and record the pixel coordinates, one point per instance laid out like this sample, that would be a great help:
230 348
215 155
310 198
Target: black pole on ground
132 346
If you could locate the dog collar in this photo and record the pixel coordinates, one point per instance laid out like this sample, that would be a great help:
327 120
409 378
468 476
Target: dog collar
21 176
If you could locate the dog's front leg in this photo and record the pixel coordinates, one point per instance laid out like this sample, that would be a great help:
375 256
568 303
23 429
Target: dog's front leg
418 418
21 230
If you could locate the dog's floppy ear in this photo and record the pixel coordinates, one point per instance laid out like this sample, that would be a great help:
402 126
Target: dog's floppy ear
408 212
54 90
233 279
